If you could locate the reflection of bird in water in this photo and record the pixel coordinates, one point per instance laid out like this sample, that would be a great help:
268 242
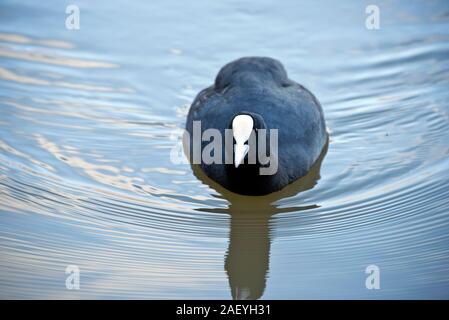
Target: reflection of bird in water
247 259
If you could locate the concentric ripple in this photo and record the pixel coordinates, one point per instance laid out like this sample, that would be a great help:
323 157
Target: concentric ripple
89 119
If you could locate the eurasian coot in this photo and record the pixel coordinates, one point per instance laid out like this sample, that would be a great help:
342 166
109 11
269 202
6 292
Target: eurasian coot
255 131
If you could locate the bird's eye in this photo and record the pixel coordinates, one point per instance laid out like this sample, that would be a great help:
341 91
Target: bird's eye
224 88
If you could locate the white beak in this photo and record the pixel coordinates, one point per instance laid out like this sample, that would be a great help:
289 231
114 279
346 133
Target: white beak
242 126
240 151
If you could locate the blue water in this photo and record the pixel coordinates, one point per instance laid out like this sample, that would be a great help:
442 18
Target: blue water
88 118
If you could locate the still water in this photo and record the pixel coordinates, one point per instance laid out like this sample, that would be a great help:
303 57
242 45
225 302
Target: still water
88 119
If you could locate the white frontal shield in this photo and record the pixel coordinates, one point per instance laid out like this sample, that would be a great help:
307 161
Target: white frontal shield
242 126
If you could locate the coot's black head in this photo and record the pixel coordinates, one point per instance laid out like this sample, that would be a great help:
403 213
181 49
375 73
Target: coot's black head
251 72
246 130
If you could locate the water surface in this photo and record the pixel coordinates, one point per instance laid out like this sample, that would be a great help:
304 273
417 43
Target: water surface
88 119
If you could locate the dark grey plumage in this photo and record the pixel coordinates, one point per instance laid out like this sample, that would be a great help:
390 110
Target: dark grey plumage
260 87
